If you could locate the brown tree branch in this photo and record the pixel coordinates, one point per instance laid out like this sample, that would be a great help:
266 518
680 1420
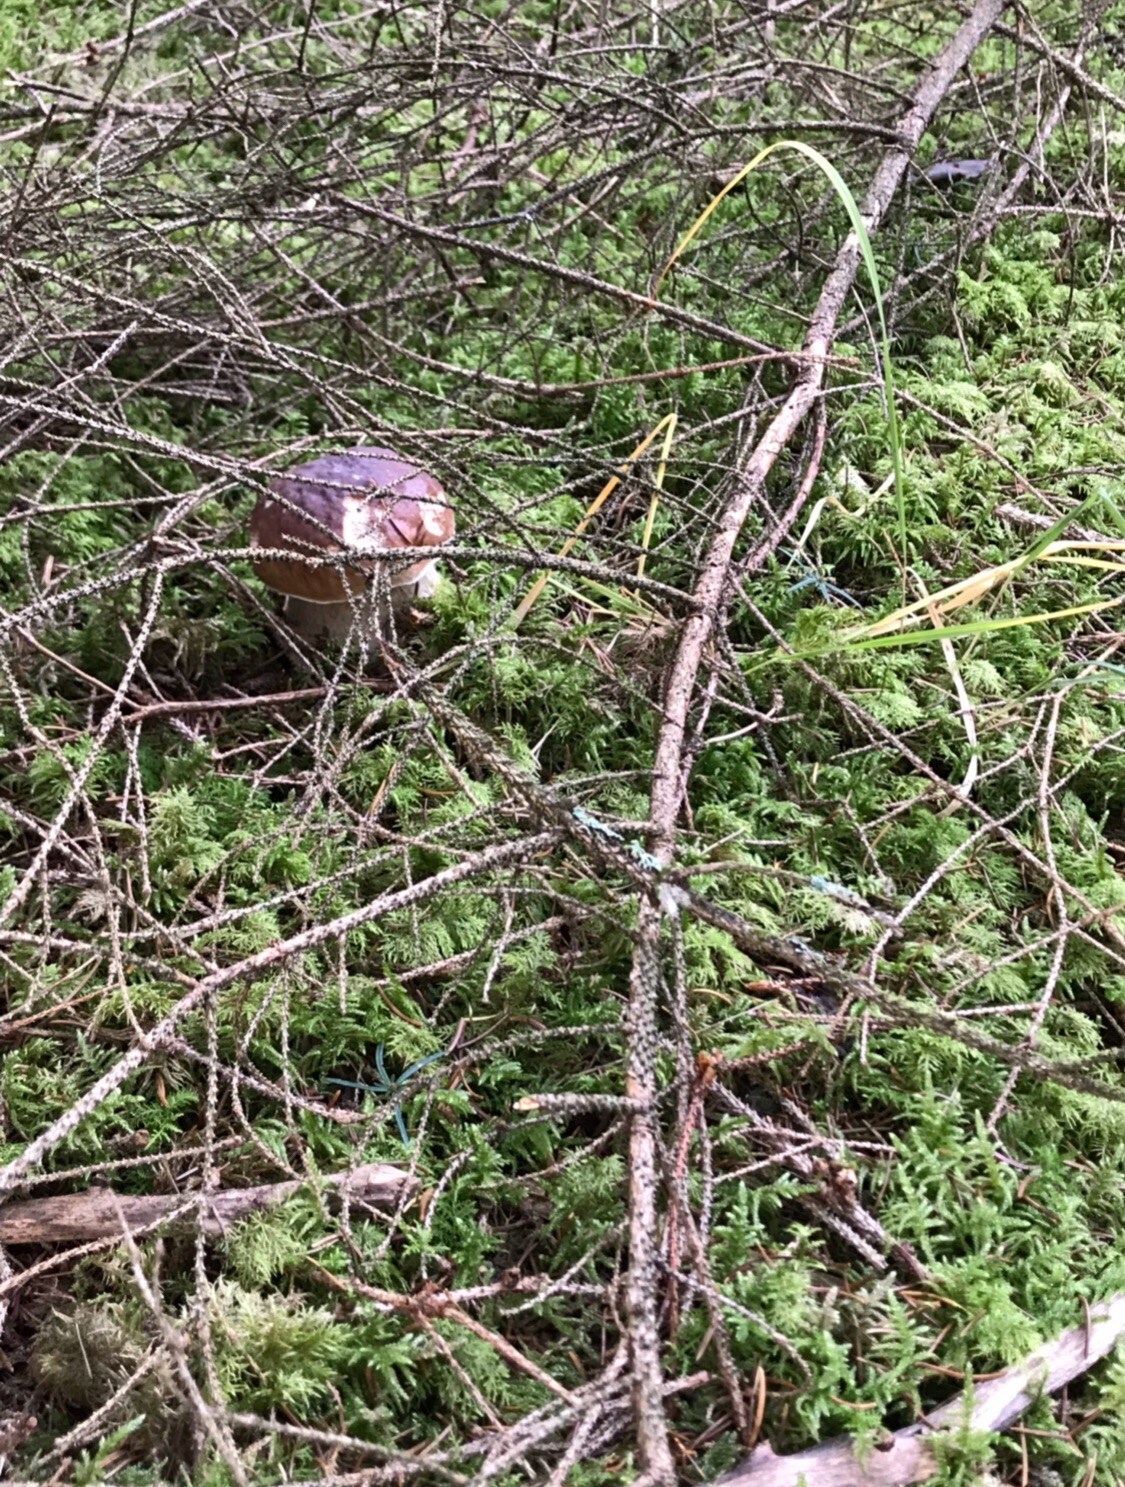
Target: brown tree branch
669 775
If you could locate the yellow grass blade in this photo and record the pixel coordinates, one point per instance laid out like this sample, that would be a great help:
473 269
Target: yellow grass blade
671 421
701 221
980 627
956 596
969 590
592 510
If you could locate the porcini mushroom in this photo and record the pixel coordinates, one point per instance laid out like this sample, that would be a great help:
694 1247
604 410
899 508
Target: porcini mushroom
354 504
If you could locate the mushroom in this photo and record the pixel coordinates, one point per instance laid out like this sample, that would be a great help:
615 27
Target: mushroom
354 503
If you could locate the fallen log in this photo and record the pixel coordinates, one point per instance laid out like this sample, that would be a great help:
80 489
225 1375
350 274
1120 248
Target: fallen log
100 1213
908 1455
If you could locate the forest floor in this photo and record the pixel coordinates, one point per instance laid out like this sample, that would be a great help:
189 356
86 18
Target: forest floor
715 957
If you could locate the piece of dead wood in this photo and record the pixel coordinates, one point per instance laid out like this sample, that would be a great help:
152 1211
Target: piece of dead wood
99 1212
908 1455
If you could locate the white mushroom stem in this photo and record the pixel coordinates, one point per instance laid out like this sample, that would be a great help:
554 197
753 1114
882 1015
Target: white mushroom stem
422 585
336 620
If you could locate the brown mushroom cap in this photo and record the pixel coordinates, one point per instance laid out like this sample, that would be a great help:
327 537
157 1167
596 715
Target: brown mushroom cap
341 502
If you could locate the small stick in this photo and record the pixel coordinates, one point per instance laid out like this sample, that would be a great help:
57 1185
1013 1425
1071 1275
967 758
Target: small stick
1021 518
227 704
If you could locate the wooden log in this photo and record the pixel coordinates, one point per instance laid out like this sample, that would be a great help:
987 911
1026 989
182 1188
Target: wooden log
907 1456
100 1213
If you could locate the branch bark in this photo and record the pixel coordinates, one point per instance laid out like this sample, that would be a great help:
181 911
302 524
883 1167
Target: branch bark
669 772
100 1213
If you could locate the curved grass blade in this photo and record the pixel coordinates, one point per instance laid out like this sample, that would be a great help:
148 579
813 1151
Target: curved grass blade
607 490
859 227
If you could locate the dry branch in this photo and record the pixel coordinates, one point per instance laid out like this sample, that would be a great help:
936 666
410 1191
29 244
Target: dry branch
670 767
100 1213
908 1456
1039 523
326 267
